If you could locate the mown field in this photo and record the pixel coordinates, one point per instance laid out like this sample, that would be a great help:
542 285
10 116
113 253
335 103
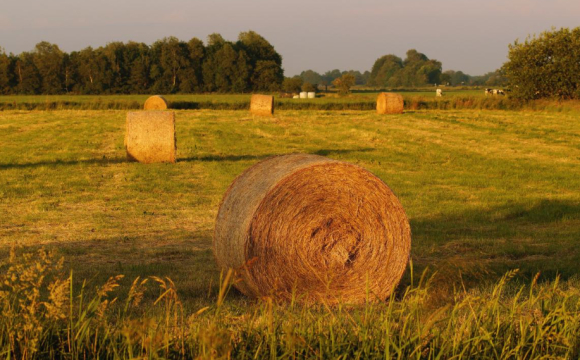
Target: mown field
486 192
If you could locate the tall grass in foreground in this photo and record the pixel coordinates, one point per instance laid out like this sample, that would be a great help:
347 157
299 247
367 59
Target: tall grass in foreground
44 316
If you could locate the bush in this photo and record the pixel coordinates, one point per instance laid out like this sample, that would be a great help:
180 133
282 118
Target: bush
547 66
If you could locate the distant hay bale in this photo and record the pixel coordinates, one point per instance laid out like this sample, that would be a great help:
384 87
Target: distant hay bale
156 102
316 228
262 105
150 136
312 95
390 103
303 95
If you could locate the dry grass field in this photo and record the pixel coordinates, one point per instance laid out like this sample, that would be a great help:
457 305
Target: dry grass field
486 192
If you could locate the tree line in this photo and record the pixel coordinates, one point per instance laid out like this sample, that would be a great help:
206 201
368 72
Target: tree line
390 71
167 66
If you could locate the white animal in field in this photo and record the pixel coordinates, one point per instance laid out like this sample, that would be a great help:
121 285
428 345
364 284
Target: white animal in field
439 93
494 92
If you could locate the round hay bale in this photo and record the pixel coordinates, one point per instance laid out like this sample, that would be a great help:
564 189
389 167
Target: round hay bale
156 102
389 103
313 227
262 105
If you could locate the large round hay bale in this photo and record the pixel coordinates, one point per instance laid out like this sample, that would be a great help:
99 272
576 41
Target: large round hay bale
310 227
156 102
262 105
390 103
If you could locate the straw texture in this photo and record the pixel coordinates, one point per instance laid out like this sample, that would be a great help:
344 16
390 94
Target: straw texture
262 105
307 225
156 102
389 103
150 136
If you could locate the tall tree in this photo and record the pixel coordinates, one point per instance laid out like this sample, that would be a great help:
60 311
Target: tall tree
138 59
94 72
6 73
117 74
267 76
172 56
264 63
383 69
192 76
344 83
27 75
48 60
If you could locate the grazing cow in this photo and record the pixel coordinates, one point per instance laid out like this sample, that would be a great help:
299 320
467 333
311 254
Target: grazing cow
494 92
439 93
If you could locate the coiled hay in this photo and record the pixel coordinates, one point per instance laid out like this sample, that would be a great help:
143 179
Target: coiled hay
313 227
156 102
150 136
390 103
262 105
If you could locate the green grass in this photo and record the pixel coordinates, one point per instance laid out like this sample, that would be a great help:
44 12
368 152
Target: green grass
225 98
358 100
486 192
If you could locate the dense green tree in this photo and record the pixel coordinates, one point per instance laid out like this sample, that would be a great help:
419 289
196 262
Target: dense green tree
311 77
331 75
496 78
292 85
225 69
545 66
267 76
191 76
359 78
138 60
167 66
455 77
27 75
117 71
383 69
415 70
264 63
6 73
171 56
344 83
49 60
93 70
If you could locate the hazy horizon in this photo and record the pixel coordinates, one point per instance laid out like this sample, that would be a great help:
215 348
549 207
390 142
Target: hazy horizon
471 36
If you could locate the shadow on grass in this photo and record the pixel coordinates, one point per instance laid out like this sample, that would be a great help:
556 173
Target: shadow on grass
483 244
102 161
322 152
206 158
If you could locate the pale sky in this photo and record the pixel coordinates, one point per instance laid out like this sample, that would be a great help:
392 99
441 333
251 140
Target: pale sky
467 35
